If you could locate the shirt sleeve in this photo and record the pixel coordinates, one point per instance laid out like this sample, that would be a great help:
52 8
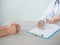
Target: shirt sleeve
58 12
49 11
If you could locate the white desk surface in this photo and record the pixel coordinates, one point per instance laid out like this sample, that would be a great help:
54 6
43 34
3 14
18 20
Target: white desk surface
23 38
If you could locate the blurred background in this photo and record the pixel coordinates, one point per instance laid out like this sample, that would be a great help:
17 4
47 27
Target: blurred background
22 10
27 11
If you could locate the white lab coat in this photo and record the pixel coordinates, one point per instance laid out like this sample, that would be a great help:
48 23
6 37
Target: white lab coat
52 11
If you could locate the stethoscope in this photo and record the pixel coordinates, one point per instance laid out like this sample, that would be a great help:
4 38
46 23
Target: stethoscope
56 6
57 2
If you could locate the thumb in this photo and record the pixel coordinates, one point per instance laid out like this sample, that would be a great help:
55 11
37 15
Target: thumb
46 20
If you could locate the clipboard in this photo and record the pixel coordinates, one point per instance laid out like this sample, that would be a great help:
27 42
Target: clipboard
48 32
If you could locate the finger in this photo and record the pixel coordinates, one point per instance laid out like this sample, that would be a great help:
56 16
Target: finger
47 20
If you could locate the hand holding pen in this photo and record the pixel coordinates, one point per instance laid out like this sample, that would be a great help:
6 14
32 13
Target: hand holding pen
40 24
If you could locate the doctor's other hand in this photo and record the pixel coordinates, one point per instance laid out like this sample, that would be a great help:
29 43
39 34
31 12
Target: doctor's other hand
50 21
53 20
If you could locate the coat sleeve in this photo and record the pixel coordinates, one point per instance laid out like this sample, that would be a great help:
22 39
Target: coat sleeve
49 11
58 12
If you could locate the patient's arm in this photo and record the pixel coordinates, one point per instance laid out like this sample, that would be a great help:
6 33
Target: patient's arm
9 29
3 33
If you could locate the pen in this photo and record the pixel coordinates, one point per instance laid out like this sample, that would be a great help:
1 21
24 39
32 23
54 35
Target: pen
42 22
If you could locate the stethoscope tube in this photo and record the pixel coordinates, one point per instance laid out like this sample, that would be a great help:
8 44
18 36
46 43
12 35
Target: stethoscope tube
57 1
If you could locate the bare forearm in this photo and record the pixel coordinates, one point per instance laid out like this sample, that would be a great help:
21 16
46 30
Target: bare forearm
3 33
56 18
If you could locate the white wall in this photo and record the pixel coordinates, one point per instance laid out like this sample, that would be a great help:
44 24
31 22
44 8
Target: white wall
1 19
25 10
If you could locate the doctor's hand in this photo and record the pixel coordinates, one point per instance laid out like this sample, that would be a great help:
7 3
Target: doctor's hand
39 24
50 21
53 20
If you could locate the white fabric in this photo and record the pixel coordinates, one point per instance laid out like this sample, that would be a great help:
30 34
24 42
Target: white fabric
52 11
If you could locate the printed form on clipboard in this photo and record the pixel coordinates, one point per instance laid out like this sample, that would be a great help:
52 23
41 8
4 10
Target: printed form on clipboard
48 31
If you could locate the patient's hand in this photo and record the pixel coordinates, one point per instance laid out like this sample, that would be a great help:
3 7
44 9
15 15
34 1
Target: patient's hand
13 28
9 29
